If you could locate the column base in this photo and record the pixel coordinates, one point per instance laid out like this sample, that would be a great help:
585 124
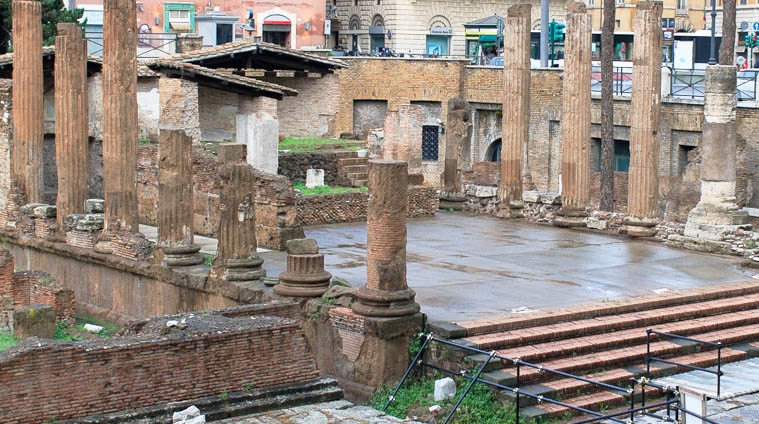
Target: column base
180 255
639 227
303 285
514 210
128 245
385 303
568 218
713 222
245 269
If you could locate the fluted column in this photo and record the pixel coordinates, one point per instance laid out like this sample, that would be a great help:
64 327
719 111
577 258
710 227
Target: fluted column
386 293
236 257
71 120
575 119
175 200
28 108
516 108
120 115
643 188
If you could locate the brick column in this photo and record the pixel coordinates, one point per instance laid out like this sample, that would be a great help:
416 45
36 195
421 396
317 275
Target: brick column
575 119
175 200
386 293
643 188
120 115
516 108
716 213
236 258
28 109
71 120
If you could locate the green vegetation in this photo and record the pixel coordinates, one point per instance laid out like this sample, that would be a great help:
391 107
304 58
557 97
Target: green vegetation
328 300
53 12
480 406
311 144
325 189
109 330
223 395
207 259
62 331
6 341
143 141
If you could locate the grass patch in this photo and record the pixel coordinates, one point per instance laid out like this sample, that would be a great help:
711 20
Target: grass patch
299 145
325 189
6 341
480 406
109 330
62 332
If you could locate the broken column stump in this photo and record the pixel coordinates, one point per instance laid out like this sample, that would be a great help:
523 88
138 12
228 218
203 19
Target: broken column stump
176 245
516 109
643 186
305 275
458 138
386 293
34 320
236 258
575 120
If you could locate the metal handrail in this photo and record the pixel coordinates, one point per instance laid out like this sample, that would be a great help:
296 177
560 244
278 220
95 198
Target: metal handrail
650 358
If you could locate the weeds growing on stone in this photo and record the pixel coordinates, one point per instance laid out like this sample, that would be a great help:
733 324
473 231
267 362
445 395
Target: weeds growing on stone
207 259
325 189
6 341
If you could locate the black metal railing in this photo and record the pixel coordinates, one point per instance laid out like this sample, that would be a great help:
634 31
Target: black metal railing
687 83
650 358
149 46
622 85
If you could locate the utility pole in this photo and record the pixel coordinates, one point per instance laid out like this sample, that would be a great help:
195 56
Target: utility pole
544 33
712 57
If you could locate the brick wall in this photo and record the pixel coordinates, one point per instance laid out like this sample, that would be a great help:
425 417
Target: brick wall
351 206
312 112
352 331
179 109
52 380
294 166
217 114
275 201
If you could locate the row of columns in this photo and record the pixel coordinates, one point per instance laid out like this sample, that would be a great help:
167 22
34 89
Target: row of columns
576 100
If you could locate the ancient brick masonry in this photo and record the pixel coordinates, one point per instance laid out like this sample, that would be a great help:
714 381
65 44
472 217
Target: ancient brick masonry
516 108
644 121
575 125
120 115
386 293
175 197
28 109
71 120
236 258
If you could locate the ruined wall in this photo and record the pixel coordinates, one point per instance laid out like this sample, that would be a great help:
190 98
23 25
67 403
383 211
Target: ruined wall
312 112
294 165
351 206
217 115
151 368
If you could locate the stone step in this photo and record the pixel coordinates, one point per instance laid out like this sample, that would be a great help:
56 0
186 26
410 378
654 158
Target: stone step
636 304
604 324
352 161
357 175
346 154
578 345
354 169
359 183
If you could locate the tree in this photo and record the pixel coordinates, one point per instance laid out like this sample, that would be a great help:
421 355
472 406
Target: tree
53 12
727 46
607 107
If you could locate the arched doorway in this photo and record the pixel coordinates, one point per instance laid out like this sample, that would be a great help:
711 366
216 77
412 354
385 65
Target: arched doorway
377 34
493 153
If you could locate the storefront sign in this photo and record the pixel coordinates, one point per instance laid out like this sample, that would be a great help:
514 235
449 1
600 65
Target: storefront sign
441 31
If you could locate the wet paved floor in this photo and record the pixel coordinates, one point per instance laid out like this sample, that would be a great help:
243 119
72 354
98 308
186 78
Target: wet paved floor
466 267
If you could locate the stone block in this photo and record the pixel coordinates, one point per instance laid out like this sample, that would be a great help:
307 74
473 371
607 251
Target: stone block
445 388
29 208
190 415
47 211
94 206
34 320
531 196
305 246
90 222
231 152
597 224
314 178
486 191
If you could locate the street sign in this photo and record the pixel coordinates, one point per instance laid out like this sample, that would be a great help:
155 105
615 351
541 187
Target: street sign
500 28
756 26
327 27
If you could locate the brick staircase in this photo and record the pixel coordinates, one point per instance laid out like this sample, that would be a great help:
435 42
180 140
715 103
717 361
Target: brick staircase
606 342
353 167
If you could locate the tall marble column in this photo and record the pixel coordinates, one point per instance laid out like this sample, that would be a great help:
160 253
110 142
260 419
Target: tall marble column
71 120
28 108
575 119
643 188
175 200
120 115
716 212
516 108
386 293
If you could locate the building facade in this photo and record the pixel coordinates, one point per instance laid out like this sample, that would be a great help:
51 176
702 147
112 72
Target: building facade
678 15
421 27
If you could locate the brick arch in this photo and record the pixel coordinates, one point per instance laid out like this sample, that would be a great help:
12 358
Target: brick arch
439 21
378 20
354 23
493 152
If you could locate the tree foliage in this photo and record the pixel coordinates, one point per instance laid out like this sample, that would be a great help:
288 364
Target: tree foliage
53 12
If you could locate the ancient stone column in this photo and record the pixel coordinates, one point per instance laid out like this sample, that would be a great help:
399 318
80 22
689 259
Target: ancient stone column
516 108
643 188
575 119
175 200
305 275
236 258
120 115
386 293
716 212
28 108
458 137
71 120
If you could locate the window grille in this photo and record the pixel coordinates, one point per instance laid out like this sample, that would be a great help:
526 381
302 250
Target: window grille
429 142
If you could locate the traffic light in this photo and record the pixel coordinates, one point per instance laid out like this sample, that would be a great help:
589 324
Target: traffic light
555 32
751 40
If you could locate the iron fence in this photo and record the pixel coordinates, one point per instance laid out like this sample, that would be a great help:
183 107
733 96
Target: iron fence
149 45
622 85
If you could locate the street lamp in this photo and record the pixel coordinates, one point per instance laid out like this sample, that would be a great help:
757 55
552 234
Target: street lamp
712 59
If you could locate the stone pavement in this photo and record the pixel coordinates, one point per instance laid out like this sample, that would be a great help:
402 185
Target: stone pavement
740 410
337 412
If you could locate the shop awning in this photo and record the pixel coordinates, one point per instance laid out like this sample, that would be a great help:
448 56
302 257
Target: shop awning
180 26
488 38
